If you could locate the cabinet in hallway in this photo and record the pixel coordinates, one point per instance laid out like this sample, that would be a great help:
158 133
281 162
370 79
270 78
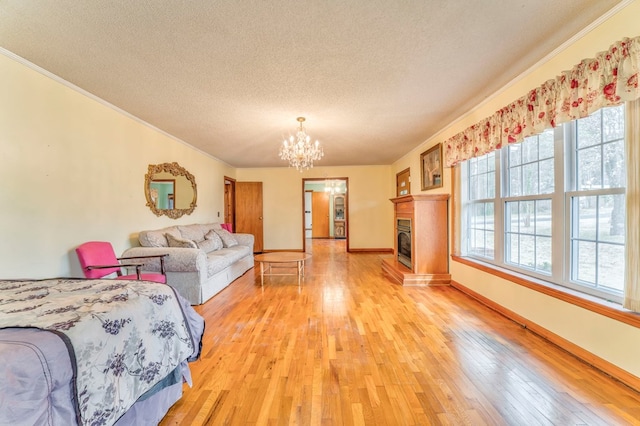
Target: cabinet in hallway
339 216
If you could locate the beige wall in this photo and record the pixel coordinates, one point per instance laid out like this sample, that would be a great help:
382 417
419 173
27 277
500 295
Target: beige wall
370 211
73 171
611 340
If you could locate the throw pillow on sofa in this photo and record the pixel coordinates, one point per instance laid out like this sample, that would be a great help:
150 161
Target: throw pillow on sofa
180 242
215 239
211 235
228 240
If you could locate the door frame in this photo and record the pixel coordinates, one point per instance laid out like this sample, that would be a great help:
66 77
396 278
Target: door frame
229 195
346 203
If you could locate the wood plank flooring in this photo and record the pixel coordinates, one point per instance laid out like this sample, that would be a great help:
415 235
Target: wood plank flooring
349 347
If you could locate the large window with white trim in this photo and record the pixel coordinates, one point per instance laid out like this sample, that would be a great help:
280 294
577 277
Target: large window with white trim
552 206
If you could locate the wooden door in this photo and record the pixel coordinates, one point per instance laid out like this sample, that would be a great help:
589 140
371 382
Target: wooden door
320 215
249 212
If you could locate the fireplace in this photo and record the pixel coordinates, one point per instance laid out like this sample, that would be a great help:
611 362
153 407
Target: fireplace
420 250
404 242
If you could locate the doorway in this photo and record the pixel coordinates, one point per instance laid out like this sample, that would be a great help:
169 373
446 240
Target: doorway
325 210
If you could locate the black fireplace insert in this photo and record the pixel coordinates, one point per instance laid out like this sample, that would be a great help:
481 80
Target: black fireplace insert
404 242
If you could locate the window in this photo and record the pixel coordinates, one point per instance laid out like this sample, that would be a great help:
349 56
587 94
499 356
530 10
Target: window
597 201
530 166
528 189
552 207
481 192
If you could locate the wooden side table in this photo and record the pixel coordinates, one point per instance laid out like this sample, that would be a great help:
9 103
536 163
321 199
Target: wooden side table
279 260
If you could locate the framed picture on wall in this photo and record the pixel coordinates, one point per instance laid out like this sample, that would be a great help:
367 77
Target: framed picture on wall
403 182
431 167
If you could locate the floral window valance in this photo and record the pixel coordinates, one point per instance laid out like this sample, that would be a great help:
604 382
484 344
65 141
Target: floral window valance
608 79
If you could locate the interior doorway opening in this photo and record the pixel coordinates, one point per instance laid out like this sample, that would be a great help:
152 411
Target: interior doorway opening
325 210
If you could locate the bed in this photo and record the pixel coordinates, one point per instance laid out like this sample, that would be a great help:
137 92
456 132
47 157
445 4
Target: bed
93 352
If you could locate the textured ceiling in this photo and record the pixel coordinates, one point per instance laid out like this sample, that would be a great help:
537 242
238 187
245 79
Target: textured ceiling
374 78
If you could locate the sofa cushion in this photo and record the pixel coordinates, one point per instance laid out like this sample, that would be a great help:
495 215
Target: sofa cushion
228 240
220 259
206 227
180 242
157 237
192 232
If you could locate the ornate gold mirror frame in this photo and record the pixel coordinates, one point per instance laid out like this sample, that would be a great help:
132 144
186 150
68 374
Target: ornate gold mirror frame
178 206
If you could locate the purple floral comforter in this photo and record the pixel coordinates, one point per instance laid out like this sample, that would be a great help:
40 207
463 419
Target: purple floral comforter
124 336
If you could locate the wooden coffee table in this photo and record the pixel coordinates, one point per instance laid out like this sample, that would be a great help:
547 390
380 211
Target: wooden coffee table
279 260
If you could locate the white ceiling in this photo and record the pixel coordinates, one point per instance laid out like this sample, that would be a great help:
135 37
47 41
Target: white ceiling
374 78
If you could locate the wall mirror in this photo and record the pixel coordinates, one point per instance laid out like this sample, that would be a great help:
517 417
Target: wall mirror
170 190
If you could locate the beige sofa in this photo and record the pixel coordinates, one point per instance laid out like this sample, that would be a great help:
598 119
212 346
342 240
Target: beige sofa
196 266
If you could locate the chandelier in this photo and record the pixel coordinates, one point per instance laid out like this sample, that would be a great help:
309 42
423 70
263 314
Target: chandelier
299 150
333 187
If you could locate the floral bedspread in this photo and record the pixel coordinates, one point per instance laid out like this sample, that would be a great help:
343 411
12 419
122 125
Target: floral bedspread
125 335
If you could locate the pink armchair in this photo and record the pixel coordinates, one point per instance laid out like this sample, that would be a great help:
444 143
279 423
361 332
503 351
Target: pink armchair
98 260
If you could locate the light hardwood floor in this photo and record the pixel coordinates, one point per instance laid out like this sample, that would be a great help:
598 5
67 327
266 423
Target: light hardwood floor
348 347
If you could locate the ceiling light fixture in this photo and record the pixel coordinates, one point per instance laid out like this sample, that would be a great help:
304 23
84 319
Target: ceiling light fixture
299 150
333 186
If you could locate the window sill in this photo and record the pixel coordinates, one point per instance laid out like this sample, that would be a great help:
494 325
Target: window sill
608 309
